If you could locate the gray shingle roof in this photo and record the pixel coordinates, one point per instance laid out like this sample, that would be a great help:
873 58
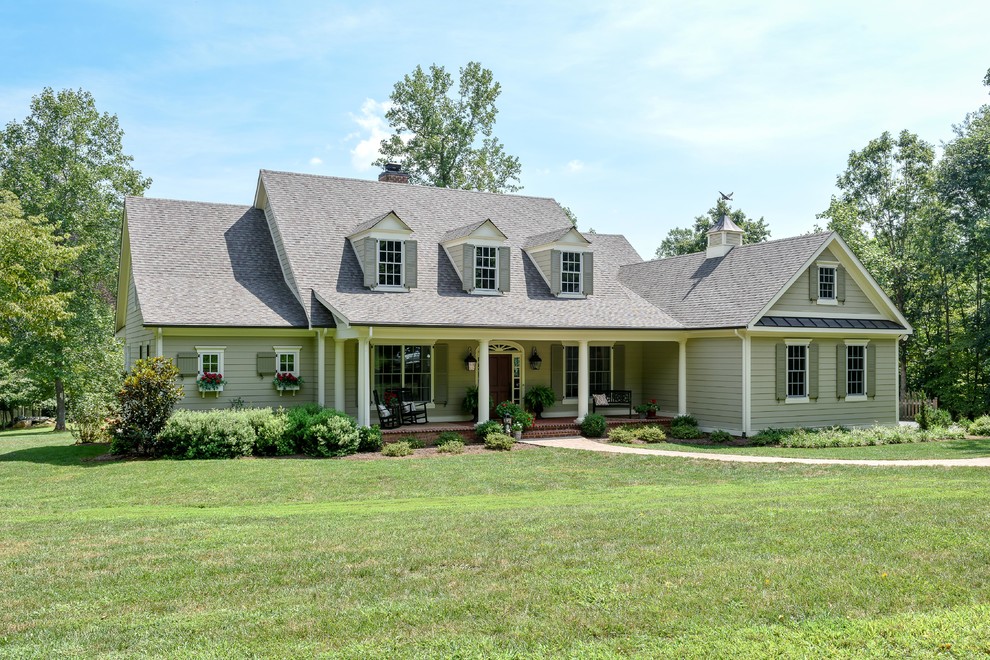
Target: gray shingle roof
207 264
368 224
548 237
721 292
315 213
461 232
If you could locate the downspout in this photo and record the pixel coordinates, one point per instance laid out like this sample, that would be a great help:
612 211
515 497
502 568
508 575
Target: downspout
747 382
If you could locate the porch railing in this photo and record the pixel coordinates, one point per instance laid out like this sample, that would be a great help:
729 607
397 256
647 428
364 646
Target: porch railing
911 405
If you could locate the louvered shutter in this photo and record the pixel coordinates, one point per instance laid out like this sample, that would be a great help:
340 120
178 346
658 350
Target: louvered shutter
555 272
557 370
871 371
440 366
813 370
781 371
266 364
468 269
813 289
503 269
409 263
587 273
840 284
187 364
841 373
619 367
370 262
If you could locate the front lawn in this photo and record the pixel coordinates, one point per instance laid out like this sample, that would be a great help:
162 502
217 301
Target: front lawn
541 552
964 448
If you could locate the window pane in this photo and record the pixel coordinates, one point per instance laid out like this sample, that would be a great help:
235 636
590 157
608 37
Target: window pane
390 263
826 283
211 363
388 369
855 370
485 262
570 372
797 371
417 372
600 374
287 362
570 272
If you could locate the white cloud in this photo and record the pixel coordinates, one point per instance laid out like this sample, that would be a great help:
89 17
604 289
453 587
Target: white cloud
315 160
575 166
373 129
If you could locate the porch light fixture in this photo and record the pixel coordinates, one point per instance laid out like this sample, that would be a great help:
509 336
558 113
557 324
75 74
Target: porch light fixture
535 361
470 363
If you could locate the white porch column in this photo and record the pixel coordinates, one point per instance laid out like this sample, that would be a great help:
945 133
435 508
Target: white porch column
321 366
159 343
363 382
583 380
483 393
682 377
338 373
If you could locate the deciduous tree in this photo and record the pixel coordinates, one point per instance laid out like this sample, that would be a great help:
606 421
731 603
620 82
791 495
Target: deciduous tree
687 240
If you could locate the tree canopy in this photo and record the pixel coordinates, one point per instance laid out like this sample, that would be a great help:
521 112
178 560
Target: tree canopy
447 140
687 240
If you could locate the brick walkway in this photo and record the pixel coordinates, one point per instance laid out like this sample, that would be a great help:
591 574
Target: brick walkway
591 445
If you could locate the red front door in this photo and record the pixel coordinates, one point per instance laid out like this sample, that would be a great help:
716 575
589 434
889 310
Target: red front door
499 380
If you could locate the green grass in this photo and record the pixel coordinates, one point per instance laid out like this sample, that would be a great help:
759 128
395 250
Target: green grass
530 553
974 448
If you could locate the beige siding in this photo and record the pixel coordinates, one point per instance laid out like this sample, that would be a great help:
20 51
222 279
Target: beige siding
714 382
135 334
827 410
240 371
659 381
796 300
457 259
542 261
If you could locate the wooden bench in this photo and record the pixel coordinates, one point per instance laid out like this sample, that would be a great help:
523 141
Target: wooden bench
615 398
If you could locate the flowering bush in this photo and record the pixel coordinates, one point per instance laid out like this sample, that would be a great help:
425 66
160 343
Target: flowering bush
286 380
210 381
650 406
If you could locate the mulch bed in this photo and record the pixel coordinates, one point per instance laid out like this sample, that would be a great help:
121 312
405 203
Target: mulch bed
431 452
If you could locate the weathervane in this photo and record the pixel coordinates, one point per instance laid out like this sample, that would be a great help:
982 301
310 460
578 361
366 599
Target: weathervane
726 198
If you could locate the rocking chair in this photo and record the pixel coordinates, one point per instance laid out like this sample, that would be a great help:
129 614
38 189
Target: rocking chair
389 416
412 412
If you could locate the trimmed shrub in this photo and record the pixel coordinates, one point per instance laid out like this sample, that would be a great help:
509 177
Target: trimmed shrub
147 397
210 434
451 447
622 434
271 431
499 442
298 419
980 426
330 433
688 420
449 436
370 438
412 441
720 436
593 425
485 429
396 449
651 434
685 431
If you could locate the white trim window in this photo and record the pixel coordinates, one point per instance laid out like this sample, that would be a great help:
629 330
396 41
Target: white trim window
599 370
404 366
210 359
390 271
287 359
570 272
485 268
855 370
827 277
797 371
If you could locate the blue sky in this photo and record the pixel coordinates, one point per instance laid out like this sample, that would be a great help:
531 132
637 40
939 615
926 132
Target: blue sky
633 114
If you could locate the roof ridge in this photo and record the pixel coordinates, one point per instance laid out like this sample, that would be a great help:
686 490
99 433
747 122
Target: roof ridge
186 201
738 247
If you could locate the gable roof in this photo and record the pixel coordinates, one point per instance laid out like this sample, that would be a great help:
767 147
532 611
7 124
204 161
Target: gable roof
370 224
722 292
551 237
314 213
467 230
206 265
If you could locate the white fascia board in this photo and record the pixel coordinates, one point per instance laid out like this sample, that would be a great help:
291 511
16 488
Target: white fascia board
123 276
790 282
873 290
260 194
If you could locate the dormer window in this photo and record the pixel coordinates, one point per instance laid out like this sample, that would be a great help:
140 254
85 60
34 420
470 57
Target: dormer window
570 273
386 253
480 256
485 268
390 273
565 260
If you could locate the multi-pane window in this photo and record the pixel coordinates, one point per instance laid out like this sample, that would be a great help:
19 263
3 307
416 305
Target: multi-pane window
404 367
855 370
485 268
826 282
797 371
390 263
570 272
209 363
599 370
286 362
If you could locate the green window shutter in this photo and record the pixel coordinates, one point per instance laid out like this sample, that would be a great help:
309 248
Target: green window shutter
557 370
813 283
409 262
187 364
370 262
266 364
468 269
619 367
871 371
503 269
440 366
588 274
555 272
813 370
841 365
781 371
840 284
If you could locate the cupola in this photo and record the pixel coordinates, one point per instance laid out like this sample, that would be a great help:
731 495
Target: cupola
724 235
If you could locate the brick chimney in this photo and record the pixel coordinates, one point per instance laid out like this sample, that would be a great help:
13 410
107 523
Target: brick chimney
393 174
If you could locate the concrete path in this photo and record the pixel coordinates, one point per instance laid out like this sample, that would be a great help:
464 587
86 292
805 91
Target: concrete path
591 445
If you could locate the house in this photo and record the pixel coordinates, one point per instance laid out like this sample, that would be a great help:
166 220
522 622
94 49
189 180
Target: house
356 285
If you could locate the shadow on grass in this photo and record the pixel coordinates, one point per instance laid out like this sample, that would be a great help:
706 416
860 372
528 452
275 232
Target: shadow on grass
58 455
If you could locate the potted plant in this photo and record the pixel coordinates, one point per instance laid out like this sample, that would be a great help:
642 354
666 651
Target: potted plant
648 409
517 430
470 404
287 382
210 382
539 398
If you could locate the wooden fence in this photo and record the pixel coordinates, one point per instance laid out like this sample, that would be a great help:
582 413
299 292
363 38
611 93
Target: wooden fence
911 405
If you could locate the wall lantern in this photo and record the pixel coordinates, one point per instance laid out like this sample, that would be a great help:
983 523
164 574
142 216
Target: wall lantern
535 361
470 363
